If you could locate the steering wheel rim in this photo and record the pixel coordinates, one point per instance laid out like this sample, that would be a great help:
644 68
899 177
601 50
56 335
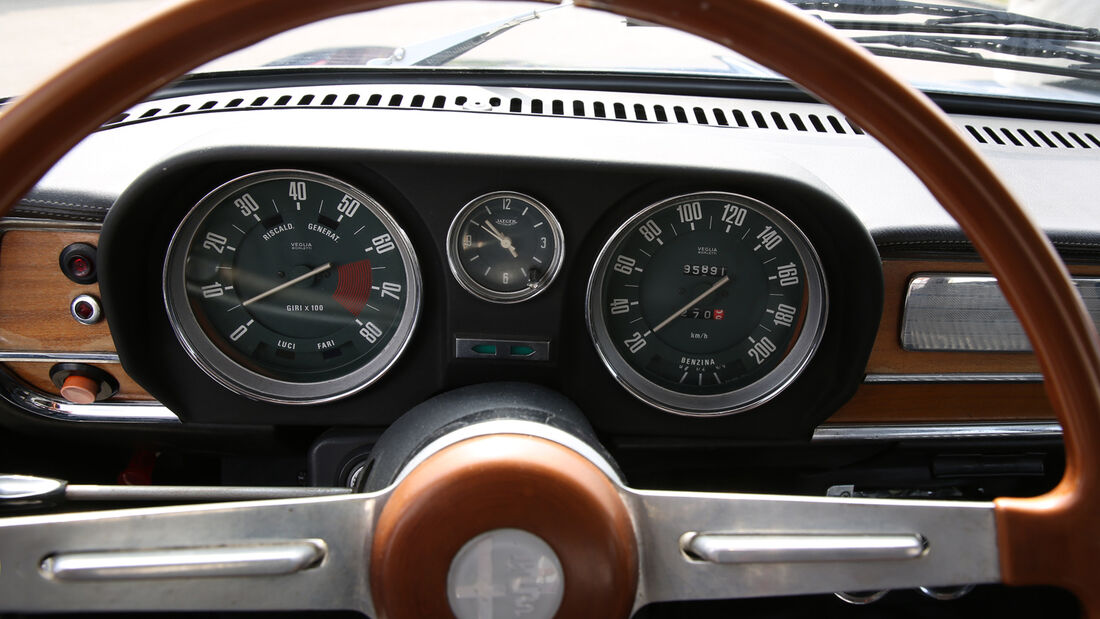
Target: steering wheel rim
1040 539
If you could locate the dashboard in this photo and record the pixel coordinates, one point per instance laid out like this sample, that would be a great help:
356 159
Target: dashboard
433 330
344 225
739 289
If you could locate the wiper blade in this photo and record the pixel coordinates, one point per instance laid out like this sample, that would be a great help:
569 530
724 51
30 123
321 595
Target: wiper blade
986 31
945 14
1013 46
954 50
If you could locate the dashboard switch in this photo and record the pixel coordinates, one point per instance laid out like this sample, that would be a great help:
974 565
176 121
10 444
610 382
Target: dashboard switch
81 383
79 389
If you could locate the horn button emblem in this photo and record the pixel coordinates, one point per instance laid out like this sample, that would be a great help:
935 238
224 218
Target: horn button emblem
505 573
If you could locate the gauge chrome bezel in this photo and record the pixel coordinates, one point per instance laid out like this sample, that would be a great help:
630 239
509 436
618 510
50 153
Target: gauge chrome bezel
738 400
227 372
496 296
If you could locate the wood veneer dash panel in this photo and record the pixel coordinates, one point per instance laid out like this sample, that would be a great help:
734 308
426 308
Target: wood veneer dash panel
946 402
34 307
35 296
943 402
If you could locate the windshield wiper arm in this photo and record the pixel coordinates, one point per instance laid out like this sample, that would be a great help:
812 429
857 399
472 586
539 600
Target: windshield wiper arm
945 14
438 52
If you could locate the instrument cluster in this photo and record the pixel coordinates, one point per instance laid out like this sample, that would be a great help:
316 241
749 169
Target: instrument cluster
289 291
295 287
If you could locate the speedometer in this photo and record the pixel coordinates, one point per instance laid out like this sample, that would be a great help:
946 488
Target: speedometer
291 286
707 304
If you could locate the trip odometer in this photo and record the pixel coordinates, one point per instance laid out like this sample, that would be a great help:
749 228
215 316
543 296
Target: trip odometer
291 286
707 304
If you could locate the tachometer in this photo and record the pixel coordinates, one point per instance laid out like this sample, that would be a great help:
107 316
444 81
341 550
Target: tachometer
291 286
707 304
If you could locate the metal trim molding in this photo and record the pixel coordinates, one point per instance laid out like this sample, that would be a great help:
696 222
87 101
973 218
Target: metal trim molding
872 379
837 432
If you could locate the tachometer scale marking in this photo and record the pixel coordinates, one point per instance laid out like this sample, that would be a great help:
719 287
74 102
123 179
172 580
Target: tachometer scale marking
353 286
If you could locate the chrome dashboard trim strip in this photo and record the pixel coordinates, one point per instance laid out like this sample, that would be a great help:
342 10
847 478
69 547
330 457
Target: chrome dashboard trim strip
7 356
37 403
837 432
8 224
966 377
106 412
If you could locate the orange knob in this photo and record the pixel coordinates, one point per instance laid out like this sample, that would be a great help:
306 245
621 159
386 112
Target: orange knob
79 389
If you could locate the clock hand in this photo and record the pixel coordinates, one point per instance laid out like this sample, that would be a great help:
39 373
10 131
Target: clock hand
505 242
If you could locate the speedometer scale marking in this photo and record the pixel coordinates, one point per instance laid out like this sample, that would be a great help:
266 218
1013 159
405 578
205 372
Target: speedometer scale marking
276 284
698 301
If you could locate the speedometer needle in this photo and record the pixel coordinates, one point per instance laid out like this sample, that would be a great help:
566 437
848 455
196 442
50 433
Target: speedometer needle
288 284
718 284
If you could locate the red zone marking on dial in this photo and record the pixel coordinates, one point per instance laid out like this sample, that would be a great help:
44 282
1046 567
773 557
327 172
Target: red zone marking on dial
353 287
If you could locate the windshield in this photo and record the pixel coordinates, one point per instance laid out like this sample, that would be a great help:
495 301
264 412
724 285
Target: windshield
1044 49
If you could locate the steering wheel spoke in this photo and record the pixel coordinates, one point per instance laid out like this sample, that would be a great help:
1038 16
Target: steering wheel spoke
308 553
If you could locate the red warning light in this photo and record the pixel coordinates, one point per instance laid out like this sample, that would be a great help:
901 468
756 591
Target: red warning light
80 266
83 310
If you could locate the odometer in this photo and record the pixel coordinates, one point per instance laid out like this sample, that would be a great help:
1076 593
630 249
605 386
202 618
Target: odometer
707 304
291 286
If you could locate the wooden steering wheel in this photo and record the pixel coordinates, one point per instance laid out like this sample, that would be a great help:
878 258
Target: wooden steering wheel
1051 539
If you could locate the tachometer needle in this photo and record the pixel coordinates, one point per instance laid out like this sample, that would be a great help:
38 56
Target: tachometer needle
288 284
718 284
505 242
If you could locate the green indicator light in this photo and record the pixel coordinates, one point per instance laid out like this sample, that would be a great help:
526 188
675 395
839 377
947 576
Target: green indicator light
522 351
485 349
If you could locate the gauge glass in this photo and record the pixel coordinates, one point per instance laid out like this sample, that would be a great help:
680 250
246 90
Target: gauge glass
291 286
707 304
505 247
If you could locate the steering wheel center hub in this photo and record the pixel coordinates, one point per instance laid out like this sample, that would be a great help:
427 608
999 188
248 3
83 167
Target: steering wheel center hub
506 525
505 573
